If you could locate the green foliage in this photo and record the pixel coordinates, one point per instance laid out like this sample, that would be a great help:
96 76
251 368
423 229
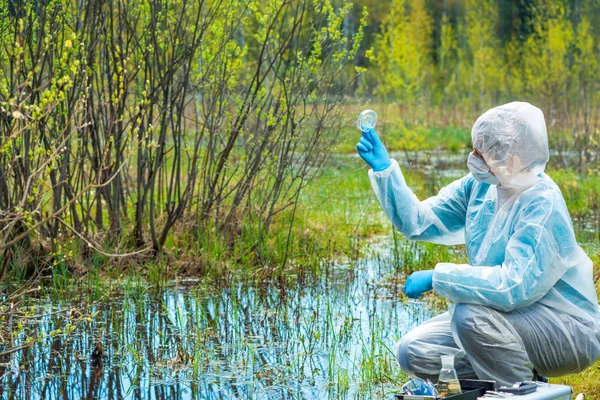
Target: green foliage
444 64
121 121
409 140
402 54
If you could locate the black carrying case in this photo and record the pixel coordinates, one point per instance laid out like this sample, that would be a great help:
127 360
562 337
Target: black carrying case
471 390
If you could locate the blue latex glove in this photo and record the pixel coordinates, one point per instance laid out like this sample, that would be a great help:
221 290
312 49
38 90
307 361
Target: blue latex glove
373 151
418 283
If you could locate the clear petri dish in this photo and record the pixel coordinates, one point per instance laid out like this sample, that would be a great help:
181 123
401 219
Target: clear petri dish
366 120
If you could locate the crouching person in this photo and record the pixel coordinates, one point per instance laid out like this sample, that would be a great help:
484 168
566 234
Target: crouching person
525 303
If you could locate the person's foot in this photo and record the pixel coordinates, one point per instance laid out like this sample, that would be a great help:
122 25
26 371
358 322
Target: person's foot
539 378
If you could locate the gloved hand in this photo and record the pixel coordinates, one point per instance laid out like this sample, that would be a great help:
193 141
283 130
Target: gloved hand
373 151
418 283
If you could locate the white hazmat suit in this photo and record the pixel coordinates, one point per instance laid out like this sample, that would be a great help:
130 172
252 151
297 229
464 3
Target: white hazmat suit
526 300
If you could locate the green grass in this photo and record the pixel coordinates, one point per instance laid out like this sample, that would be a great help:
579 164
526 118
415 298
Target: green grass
587 382
398 137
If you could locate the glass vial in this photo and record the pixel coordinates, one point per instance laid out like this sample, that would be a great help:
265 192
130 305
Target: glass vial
448 384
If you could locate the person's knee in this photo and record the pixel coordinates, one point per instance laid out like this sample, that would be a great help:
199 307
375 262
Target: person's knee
418 352
405 354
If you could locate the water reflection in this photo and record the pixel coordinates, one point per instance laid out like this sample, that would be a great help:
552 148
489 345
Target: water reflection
326 337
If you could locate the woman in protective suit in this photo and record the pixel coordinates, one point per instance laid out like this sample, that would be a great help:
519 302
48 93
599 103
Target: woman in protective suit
526 300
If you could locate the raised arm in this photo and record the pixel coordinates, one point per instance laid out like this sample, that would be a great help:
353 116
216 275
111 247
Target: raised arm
439 219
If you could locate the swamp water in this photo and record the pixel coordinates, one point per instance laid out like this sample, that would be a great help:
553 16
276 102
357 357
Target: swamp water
329 337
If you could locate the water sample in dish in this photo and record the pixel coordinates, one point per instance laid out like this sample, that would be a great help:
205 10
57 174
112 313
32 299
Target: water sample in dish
366 120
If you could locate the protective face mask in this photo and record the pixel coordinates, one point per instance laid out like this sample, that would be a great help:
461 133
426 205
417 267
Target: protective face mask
481 171
521 180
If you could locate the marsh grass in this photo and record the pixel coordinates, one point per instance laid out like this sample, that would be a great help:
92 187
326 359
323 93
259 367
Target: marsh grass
326 335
